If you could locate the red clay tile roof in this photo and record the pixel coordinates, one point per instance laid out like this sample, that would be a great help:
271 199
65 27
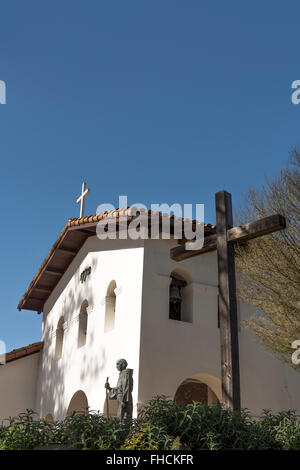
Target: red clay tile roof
25 351
66 247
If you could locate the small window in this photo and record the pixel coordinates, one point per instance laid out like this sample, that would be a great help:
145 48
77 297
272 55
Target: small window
59 339
82 324
110 307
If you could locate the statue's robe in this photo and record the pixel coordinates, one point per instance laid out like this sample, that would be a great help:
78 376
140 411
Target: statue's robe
123 393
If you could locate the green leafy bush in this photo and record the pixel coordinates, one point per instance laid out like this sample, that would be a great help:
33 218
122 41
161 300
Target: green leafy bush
282 430
162 425
148 437
25 432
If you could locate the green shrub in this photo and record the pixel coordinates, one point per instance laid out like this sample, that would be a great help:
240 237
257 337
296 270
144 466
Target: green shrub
148 437
26 432
282 430
162 425
200 426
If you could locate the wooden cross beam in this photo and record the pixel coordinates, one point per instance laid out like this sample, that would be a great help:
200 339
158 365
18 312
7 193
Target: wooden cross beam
223 241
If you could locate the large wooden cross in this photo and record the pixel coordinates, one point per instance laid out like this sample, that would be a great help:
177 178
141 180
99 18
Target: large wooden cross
223 241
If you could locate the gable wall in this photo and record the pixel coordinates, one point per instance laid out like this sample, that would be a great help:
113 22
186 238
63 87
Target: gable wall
86 368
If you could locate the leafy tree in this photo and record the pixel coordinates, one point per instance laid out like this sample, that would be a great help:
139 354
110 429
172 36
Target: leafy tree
269 267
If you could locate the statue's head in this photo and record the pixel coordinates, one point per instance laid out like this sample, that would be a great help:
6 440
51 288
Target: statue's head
121 364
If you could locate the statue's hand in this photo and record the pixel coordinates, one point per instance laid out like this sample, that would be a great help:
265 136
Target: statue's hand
107 386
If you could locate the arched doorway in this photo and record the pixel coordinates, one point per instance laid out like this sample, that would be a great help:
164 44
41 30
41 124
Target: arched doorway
78 403
202 388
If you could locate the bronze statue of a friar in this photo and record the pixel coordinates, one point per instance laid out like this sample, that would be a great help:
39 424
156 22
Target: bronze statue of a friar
123 391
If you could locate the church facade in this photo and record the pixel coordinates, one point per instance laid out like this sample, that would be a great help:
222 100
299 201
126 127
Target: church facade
103 300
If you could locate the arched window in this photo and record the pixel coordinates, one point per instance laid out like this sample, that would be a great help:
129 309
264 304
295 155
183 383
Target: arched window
180 296
110 307
59 338
82 324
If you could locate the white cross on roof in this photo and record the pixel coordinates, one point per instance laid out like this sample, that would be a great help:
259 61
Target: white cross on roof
80 200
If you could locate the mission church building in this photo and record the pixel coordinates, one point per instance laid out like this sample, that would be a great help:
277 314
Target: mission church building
103 300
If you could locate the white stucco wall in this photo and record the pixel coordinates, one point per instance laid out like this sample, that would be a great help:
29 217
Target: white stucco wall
266 383
87 368
172 351
18 381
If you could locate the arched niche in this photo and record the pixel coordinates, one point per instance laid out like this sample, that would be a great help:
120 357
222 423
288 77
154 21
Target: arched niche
202 388
82 324
49 418
110 307
78 403
59 339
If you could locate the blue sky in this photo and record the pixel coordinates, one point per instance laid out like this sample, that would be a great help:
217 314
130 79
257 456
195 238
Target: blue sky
164 101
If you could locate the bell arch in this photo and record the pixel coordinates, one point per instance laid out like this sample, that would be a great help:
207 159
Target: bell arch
180 296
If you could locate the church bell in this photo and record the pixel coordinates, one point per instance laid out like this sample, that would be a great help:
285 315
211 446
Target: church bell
175 294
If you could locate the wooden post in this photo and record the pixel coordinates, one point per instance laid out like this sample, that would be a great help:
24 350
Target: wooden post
224 240
107 401
227 304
